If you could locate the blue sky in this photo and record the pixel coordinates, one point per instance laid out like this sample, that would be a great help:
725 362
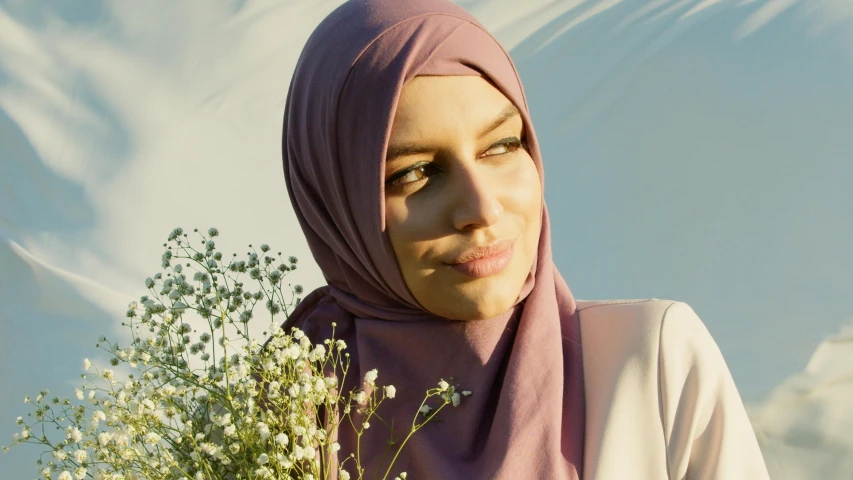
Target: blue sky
685 163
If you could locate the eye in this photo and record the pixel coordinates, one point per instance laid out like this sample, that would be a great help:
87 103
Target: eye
505 145
413 174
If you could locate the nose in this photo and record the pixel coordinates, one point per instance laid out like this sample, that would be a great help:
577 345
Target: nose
476 201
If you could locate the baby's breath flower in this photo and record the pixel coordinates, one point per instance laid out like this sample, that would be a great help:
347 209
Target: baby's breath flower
80 456
224 419
263 472
466 392
390 391
263 431
273 307
209 443
298 452
370 376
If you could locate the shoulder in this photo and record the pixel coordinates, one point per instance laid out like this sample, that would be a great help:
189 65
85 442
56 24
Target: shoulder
614 330
651 339
620 341
639 326
655 377
662 339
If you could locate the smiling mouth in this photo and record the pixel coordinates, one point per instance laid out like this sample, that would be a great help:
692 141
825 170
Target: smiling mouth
484 261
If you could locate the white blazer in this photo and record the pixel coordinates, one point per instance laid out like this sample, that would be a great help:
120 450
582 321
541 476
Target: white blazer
660 400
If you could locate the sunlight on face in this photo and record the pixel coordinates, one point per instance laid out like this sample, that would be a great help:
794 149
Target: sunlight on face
459 177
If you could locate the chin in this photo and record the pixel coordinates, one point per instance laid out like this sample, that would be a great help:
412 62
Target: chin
473 305
452 296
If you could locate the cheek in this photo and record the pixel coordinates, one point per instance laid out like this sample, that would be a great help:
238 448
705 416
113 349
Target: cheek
527 201
407 228
526 194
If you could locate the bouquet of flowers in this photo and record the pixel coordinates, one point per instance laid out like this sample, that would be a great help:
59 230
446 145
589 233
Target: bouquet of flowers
215 404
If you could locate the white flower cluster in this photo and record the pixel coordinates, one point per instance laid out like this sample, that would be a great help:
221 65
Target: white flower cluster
449 396
192 411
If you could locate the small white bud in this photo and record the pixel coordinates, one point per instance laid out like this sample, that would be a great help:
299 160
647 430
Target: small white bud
390 391
370 376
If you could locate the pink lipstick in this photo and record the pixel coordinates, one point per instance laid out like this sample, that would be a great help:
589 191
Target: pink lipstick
484 262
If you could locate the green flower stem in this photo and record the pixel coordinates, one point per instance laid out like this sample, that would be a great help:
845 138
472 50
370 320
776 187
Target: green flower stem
414 429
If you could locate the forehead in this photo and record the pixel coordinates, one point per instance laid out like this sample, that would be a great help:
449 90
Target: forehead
427 98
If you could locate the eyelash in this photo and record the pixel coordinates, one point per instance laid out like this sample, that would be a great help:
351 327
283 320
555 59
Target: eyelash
512 144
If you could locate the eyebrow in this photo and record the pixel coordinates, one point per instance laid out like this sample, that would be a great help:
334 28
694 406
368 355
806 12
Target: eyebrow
396 151
508 112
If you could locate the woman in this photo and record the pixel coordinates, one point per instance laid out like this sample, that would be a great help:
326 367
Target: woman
412 165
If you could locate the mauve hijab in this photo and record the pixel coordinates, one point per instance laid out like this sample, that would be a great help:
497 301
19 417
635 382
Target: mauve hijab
525 419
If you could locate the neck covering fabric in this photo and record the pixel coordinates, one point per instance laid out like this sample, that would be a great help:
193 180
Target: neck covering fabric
525 418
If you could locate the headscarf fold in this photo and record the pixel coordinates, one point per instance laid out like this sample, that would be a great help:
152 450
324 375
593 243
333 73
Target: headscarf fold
525 418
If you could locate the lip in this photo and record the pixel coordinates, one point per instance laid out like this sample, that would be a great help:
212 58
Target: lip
484 261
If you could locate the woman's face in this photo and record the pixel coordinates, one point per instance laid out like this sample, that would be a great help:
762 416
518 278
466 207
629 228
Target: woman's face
458 179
